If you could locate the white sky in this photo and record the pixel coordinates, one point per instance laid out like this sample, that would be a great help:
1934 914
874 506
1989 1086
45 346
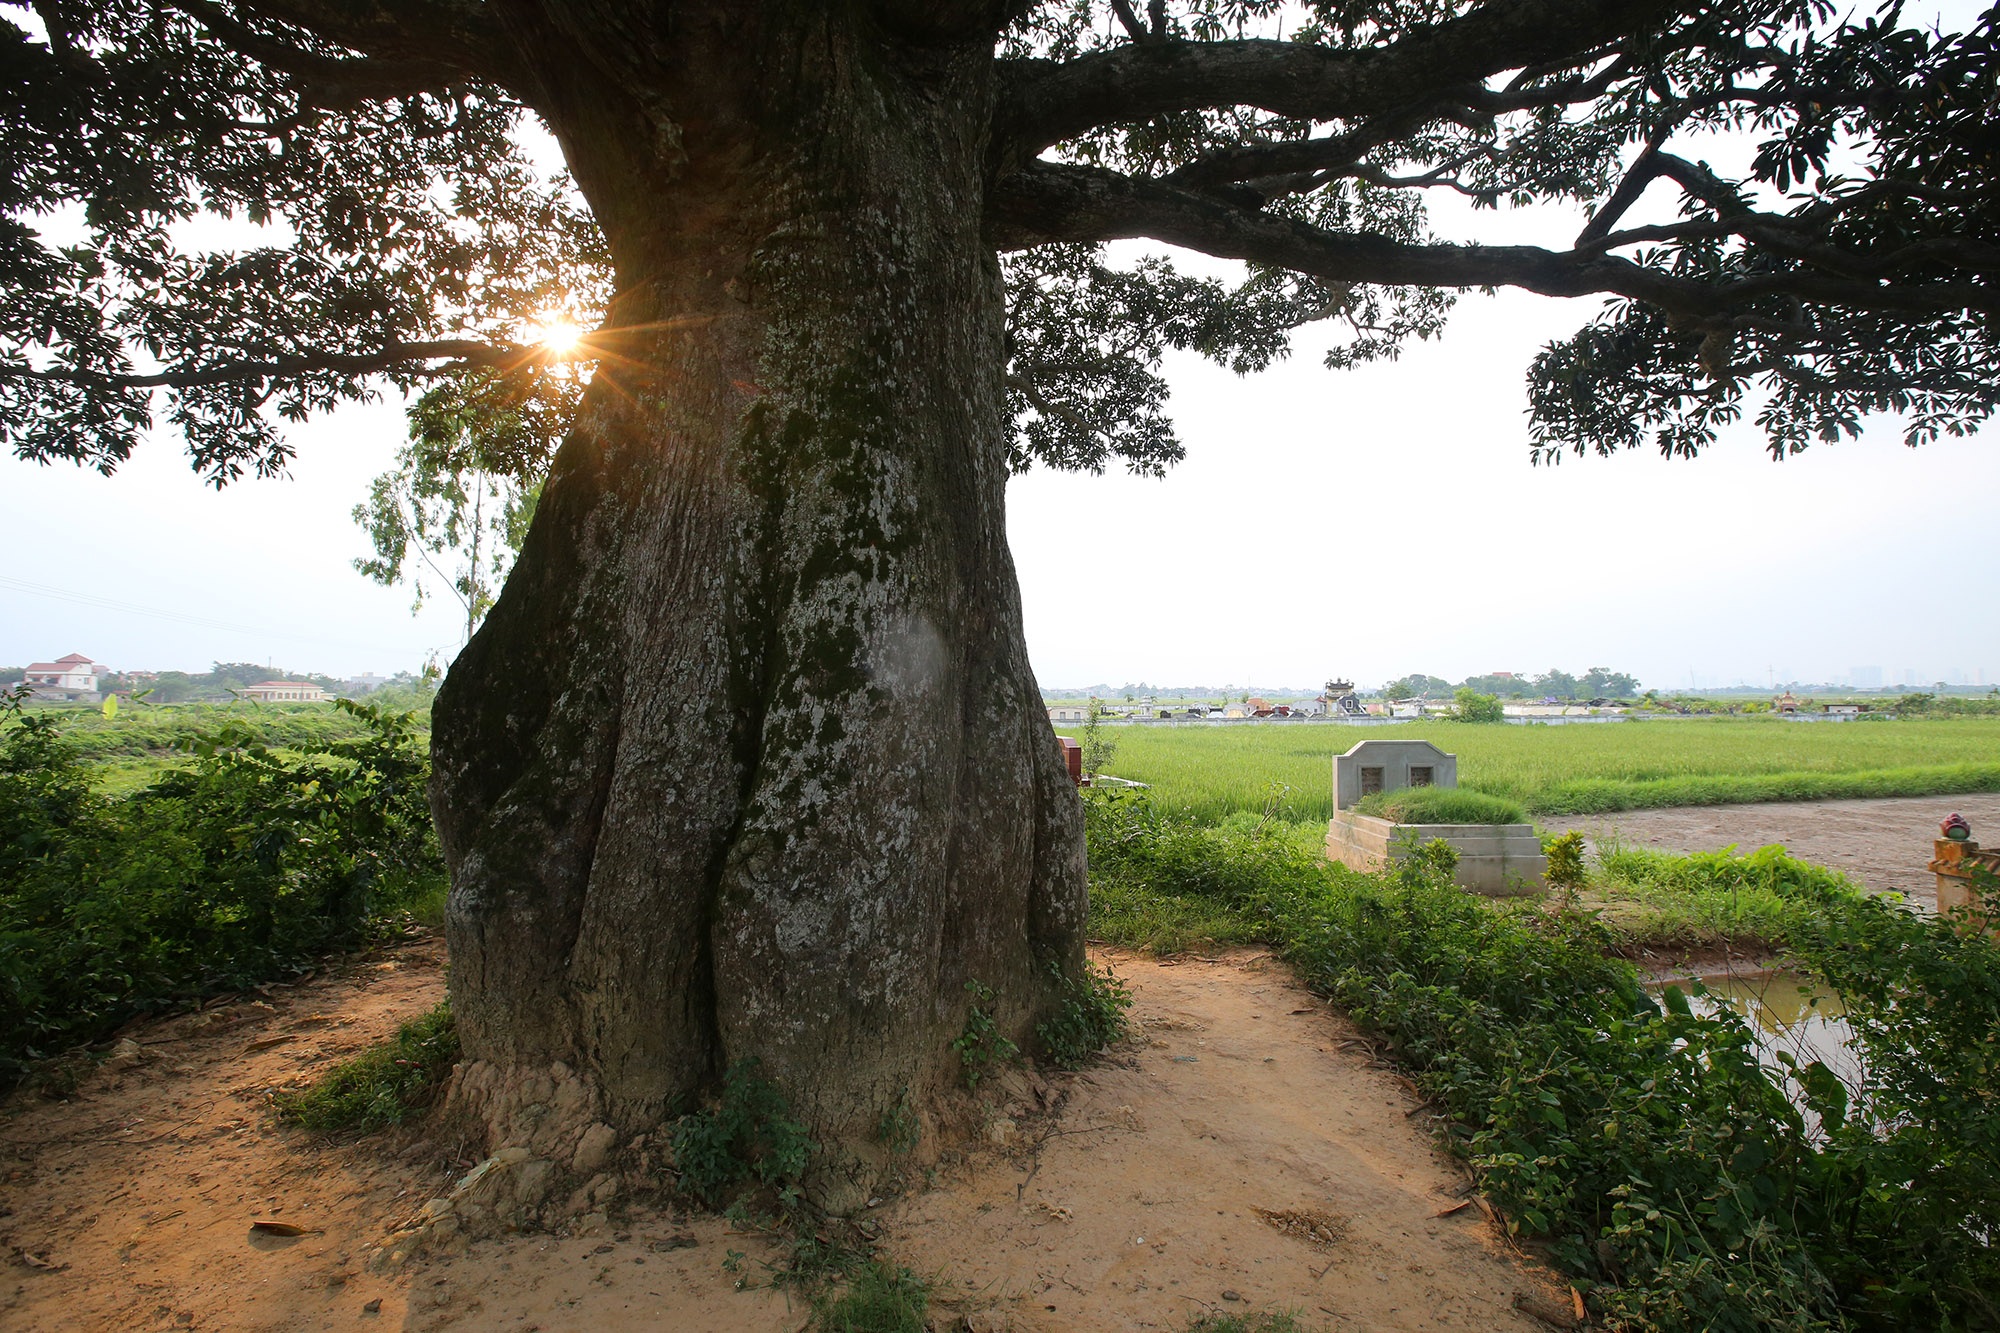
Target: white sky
1365 523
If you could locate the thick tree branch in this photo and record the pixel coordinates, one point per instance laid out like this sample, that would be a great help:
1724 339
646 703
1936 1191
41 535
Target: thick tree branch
1052 102
450 355
333 81
1047 202
454 39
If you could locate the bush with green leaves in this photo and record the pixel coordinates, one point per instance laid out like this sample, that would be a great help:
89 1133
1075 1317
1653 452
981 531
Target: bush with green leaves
1092 1017
385 1085
1469 705
747 1138
240 868
1688 1183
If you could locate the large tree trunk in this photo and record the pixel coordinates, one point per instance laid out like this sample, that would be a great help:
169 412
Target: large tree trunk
748 760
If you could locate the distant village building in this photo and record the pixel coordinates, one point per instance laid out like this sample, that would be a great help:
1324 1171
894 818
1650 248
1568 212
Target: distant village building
67 678
1843 710
284 692
1069 713
365 683
1785 703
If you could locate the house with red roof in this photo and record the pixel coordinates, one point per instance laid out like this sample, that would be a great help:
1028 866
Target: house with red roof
67 678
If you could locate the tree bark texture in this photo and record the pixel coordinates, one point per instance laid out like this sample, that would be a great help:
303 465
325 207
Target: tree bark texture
748 760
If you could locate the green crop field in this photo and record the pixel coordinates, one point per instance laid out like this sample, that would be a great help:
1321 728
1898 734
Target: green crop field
1285 767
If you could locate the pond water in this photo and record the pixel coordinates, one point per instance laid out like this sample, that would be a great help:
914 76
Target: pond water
1786 1010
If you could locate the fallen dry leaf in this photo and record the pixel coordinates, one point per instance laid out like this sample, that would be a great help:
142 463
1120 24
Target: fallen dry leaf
1449 1209
285 1229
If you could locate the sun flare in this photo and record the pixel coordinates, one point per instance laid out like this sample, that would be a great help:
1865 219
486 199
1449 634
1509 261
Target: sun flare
556 334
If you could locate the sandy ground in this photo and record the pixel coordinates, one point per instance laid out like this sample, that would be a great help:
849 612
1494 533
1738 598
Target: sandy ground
1126 1196
1884 845
1242 1153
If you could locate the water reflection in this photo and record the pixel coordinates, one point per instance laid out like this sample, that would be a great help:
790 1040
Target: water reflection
1787 1011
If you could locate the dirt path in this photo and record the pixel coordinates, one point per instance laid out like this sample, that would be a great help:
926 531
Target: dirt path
1243 1153
1881 844
1127 1196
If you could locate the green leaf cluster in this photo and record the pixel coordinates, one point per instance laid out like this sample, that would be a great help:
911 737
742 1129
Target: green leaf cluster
981 1045
1091 1018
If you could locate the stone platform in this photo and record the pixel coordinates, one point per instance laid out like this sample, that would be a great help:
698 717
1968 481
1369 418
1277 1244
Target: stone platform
1498 860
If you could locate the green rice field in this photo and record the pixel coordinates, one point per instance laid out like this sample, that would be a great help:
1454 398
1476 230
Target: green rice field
1285 769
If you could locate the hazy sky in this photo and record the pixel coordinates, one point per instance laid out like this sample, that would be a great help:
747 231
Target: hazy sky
1365 523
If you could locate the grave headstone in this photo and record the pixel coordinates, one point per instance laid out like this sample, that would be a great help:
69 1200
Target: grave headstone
1376 766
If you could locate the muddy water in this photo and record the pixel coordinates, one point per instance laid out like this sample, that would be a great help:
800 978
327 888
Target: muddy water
1787 1011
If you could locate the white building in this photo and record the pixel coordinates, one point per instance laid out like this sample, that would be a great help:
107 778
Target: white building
69 677
284 691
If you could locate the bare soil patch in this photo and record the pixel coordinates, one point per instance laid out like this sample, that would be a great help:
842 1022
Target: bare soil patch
1883 845
1245 1151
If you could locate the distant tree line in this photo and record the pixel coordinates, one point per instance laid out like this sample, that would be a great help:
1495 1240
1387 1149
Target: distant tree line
1596 683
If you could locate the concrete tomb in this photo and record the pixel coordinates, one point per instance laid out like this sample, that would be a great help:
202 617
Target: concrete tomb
1492 858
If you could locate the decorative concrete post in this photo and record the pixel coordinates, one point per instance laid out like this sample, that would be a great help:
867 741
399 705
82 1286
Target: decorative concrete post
1958 862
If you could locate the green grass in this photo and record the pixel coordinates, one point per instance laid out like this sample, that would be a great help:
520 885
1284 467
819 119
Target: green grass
385 1085
1659 900
140 732
1212 772
1441 805
878 1299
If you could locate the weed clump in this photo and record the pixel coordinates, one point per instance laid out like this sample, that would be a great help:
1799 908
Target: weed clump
386 1085
748 1136
1092 1017
878 1299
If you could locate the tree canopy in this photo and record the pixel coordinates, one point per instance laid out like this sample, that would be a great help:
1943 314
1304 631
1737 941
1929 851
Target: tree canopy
406 239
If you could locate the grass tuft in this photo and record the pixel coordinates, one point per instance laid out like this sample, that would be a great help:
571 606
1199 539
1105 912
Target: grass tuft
386 1085
879 1299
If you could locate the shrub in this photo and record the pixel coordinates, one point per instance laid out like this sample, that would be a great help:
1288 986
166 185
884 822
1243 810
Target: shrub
1092 1017
1441 805
380 1087
241 867
1471 706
